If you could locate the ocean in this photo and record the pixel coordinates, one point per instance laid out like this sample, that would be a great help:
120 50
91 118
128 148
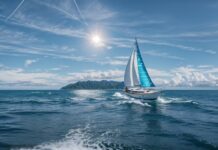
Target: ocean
108 120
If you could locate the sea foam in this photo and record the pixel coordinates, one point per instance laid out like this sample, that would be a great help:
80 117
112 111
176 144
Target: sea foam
75 139
174 100
129 100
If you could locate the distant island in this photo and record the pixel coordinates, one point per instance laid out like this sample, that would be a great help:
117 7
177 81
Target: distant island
104 84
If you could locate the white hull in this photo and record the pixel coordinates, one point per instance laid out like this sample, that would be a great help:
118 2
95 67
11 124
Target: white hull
146 95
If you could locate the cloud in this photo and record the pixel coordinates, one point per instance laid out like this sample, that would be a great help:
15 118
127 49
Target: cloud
128 42
97 75
161 54
29 62
115 61
187 76
95 11
99 13
183 47
187 35
18 78
192 77
65 7
39 23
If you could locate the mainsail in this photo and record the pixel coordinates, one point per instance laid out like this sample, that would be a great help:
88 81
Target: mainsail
136 73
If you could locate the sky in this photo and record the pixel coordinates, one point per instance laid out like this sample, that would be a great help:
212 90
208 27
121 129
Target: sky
46 44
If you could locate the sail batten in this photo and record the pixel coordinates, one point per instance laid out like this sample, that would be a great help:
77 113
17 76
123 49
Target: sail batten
136 73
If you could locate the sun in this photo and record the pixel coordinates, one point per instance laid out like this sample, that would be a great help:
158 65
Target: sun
97 40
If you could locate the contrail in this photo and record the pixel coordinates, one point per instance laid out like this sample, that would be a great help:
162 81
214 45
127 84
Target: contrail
13 12
81 16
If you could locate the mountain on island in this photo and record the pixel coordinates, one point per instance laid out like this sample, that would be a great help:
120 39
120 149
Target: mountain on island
104 84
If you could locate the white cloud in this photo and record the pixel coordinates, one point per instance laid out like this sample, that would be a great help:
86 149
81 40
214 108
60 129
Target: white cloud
128 43
187 35
95 11
187 76
29 62
161 54
65 7
17 78
39 23
97 75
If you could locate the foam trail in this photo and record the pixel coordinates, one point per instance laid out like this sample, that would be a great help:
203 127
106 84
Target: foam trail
129 100
137 102
75 139
14 11
120 95
169 100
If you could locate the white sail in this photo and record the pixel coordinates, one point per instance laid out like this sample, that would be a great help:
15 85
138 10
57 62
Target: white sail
136 79
131 77
136 73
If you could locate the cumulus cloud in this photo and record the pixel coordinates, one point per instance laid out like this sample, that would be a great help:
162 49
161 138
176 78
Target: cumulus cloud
97 75
186 76
18 78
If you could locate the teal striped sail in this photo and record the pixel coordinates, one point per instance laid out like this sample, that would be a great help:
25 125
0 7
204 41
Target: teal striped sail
136 73
144 77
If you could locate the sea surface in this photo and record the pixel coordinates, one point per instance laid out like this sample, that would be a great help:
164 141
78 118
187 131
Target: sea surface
108 120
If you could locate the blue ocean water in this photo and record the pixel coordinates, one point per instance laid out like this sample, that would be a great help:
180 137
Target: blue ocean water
107 119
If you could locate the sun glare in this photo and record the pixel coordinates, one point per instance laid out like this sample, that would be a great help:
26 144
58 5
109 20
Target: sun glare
96 39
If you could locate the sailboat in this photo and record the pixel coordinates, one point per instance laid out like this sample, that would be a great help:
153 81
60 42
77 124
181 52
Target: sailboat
137 81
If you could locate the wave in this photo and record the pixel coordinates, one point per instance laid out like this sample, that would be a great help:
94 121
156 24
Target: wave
77 139
120 95
137 102
174 100
129 100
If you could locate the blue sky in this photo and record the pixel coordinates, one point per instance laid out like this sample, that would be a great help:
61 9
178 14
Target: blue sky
45 44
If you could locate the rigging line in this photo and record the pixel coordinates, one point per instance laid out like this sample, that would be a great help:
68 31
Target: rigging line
81 16
14 11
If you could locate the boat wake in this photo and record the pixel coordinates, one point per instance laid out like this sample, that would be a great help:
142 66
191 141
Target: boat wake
129 100
137 102
162 100
75 139
174 100
121 95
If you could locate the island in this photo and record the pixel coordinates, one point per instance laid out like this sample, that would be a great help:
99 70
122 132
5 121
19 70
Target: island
104 84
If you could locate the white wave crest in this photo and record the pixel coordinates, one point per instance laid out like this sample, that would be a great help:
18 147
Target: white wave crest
121 95
137 102
75 139
168 100
129 100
